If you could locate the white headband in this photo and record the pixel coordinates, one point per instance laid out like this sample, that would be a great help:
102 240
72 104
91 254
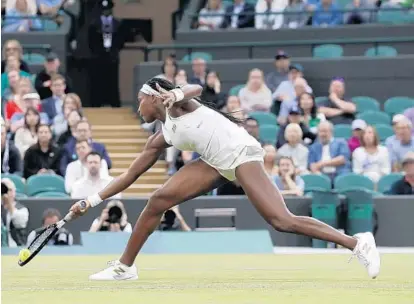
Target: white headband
146 89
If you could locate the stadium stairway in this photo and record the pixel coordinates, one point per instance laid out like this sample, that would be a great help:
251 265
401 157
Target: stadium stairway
124 139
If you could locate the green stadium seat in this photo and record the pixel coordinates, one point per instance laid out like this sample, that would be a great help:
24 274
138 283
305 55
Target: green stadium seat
375 118
328 51
34 58
343 131
320 99
45 182
268 133
234 91
316 182
384 131
18 182
385 182
264 118
342 3
203 55
365 103
51 194
398 104
381 51
391 17
50 25
352 181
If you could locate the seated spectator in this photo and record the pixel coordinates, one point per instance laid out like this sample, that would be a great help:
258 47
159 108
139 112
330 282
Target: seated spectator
52 7
53 105
310 116
405 186
181 78
15 215
43 157
62 238
43 78
291 20
12 64
358 127
336 108
82 132
15 20
27 135
232 104
252 127
280 74
409 113
401 144
255 96
11 161
326 14
199 67
294 148
239 15
169 69
93 181
294 117
78 168
329 155
172 220
269 160
287 181
211 16
112 219
269 14
30 100
71 102
17 104
13 48
212 90
371 159
355 13
13 77
73 118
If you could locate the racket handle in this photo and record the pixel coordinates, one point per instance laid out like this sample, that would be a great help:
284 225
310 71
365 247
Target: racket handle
71 215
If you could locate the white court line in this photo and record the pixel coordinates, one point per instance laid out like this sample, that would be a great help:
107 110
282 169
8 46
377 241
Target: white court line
307 250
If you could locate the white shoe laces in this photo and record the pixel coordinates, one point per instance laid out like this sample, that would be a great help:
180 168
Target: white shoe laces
361 257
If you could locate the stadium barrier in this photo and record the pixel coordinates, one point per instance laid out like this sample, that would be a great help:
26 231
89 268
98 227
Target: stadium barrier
395 217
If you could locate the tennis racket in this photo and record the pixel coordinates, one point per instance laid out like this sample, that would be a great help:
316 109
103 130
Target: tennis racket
46 234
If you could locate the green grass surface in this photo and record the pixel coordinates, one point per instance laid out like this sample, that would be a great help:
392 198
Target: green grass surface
216 279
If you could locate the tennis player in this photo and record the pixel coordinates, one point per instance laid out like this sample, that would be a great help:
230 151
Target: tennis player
227 152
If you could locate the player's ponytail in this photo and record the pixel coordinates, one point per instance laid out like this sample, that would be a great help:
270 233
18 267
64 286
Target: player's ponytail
165 84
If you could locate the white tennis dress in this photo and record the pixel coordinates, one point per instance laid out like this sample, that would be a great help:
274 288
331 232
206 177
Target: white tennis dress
221 143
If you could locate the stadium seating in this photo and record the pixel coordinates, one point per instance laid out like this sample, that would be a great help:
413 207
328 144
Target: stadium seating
234 91
398 104
320 99
342 131
18 182
381 51
316 182
51 194
385 182
264 118
34 58
268 133
203 55
365 103
384 131
375 118
45 183
328 51
352 181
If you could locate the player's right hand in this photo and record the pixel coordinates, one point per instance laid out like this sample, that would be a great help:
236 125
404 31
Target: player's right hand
80 207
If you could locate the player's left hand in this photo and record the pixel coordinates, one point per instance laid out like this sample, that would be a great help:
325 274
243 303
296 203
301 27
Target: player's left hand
168 97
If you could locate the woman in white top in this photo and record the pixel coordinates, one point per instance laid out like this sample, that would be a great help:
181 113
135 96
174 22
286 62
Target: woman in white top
211 17
227 152
371 159
269 14
255 96
27 136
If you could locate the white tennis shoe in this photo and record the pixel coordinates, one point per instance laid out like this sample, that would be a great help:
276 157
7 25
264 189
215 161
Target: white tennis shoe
367 253
116 272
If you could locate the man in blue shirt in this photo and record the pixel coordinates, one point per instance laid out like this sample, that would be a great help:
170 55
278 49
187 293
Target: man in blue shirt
326 14
400 144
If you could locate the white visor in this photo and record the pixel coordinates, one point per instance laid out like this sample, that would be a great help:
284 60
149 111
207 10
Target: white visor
146 89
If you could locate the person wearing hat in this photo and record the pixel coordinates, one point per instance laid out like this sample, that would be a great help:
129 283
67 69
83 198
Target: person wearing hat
105 44
400 144
274 79
358 127
405 186
51 67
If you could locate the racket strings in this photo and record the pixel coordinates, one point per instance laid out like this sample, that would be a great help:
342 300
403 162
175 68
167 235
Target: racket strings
42 237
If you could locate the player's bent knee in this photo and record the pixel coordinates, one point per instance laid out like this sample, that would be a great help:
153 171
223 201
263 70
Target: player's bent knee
285 223
157 203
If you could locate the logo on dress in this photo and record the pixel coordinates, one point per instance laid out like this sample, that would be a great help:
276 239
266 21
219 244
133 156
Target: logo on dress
174 127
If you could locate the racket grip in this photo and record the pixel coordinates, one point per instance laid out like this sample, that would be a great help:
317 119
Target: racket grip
68 217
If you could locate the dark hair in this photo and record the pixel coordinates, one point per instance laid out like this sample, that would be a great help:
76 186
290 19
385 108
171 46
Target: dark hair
376 137
173 61
251 118
167 85
93 153
33 111
50 213
314 110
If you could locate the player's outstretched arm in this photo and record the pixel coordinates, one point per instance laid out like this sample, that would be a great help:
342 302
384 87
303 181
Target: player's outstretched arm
153 149
177 95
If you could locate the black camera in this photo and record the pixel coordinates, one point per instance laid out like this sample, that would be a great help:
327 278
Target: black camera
114 215
62 237
4 189
169 222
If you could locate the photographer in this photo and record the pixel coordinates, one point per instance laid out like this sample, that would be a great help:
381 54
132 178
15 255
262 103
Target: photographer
50 217
113 218
15 216
172 220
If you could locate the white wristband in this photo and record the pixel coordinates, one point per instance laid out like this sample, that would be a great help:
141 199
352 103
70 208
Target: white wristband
179 94
94 200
